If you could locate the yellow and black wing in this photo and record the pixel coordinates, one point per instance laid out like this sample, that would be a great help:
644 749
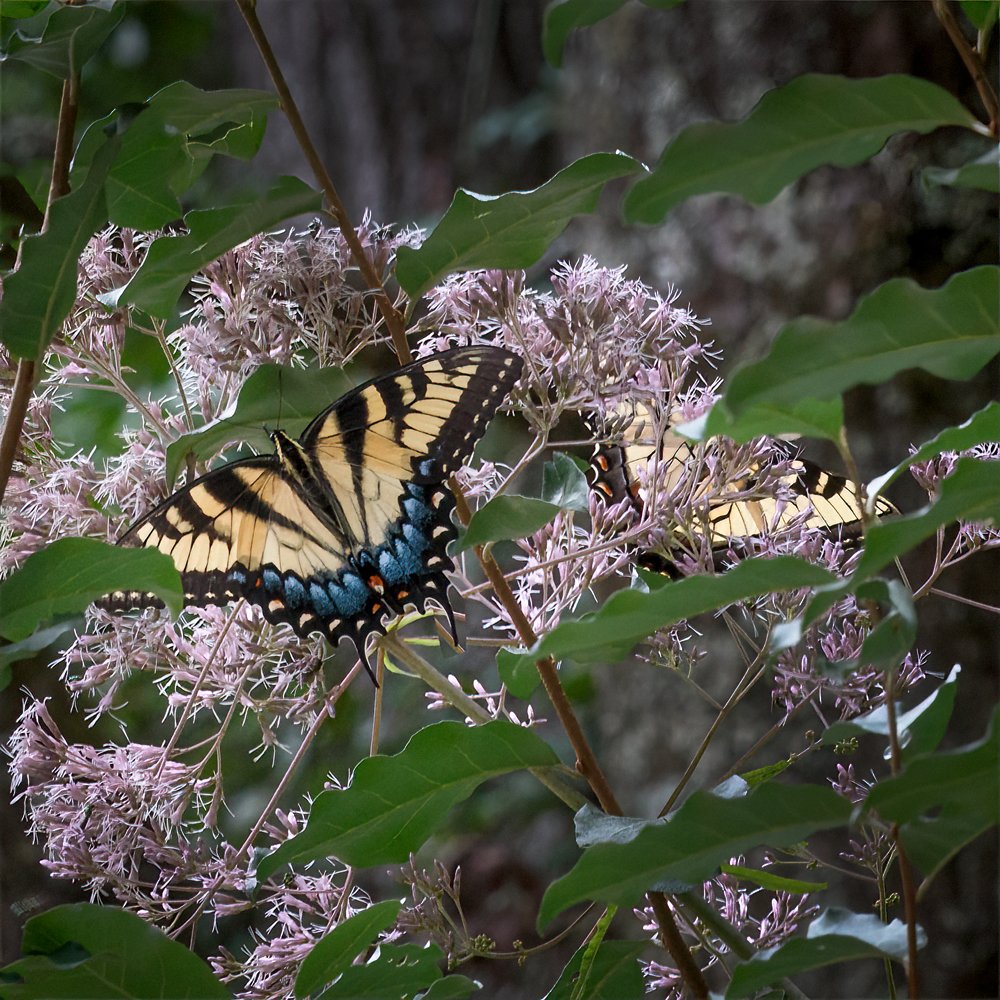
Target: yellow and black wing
819 498
349 525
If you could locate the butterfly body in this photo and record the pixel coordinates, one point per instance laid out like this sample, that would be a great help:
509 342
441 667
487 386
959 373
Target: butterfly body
347 527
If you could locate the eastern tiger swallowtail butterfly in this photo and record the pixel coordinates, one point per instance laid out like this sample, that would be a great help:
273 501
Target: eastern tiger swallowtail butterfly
822 499
346 527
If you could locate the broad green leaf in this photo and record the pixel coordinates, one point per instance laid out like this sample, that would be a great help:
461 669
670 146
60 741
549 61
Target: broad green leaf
563 16
820 418
970 493
86 952
335 953
160 156
932 841
981 428
565 485
770 881
965 778
71 573
951 332
510 230
894 635
60 41
505 517
398 970
451 988
518 672
812 121
982 13
612 974
629 615
835 936
40 293
274 396
982 173
395 803
34 644
959 788
705 832
23 8
920 729
594 826
171 260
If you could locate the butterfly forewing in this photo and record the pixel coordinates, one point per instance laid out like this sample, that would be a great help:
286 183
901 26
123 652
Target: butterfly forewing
349 527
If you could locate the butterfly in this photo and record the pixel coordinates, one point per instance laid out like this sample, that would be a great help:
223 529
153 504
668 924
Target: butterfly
344 529
812 495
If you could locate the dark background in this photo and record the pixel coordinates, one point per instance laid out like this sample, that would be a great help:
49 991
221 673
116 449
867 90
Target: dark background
407 101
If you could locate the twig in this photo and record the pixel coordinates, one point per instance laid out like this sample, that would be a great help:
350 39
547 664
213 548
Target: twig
335 206
973 63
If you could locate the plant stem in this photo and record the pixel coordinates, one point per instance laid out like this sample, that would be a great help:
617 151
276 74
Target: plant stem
335 206
973 63
905 871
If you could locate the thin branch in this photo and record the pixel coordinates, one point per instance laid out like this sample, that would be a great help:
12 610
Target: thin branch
973 63
335 206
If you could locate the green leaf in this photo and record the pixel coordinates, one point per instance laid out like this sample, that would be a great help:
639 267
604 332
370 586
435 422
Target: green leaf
982 13
970 493
505 517
451 988
70 573
86 952
399 970
613 973
951 332
510 230
565 485
894 635
982 173
274 396
40 293
964 778
761 774
960 787
820 418
629 615
395 803
518 673
835 936
772 882
981 428
171 260
160 157
23 8
920 729
33 645
705 832
812 121
594 826
562 16
336 952
60 41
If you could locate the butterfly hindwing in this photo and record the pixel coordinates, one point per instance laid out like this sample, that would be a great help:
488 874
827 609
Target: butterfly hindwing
349 526
825 500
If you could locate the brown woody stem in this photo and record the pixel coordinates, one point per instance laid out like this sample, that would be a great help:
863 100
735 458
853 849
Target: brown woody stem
393 319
